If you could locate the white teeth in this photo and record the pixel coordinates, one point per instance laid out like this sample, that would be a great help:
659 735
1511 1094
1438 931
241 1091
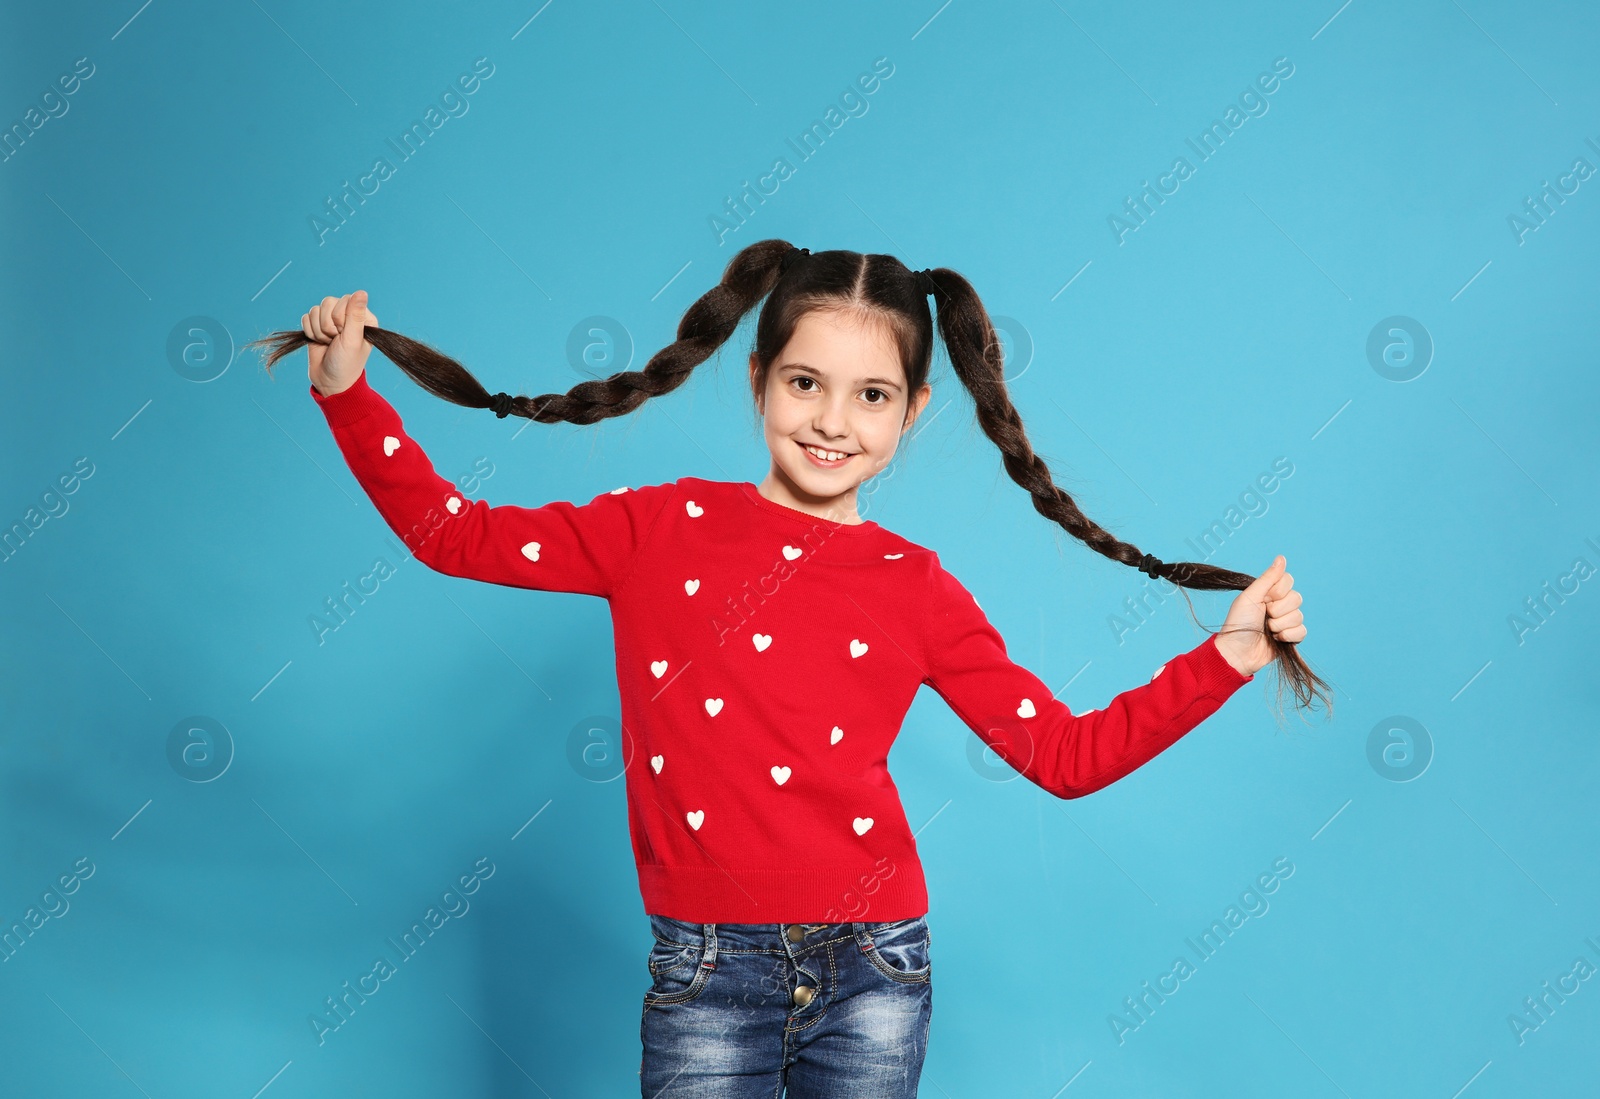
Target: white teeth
826 455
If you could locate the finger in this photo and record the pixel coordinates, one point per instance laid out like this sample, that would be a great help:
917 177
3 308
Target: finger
314 324
336 316
1284 621
305 326
1286 604
324 318
319 321
342 314
1295 635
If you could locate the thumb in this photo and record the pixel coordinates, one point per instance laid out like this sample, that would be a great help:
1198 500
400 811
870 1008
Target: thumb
1262 584
356 319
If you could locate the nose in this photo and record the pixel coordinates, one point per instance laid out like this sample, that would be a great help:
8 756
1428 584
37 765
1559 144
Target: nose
832 419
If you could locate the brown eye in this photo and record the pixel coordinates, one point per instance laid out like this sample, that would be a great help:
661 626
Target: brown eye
880 393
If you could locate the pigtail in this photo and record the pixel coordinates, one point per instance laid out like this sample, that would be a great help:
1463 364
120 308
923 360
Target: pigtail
876 285
975 354
706 325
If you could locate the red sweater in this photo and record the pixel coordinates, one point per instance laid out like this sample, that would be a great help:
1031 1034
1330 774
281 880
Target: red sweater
765 660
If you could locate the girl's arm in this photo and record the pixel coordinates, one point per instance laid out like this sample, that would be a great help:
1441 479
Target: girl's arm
1013 711
584 548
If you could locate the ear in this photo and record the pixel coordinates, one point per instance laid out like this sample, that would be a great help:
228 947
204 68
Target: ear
760 397
919 401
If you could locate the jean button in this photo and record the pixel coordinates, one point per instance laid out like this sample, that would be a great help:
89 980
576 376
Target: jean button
796 932
803 995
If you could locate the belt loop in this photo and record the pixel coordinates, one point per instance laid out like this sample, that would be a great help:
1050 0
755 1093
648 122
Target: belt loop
710 932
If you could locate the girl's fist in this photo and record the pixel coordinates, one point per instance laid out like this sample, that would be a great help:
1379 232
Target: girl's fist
338 350
1270 603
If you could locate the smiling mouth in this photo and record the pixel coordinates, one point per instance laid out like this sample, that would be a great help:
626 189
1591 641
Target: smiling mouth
816 456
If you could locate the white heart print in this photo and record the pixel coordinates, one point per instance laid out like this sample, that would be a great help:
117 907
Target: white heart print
531 551
857 646
836 736
691 586
453 504
791 552
619 491
780 775
762 640
1026 709
713 706
695 818
656 762
658 668
893 556
694 510
1157 672
861 824
390 445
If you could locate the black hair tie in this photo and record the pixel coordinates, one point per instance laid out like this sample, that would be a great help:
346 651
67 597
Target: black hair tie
925 281
1148 564
501 403
790 256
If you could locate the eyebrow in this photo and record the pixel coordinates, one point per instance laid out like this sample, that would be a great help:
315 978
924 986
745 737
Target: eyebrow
887 383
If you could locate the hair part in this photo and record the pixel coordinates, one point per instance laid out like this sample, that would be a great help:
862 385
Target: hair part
878 288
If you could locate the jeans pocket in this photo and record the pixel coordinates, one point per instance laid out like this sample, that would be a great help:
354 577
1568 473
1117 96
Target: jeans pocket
900 950
675 962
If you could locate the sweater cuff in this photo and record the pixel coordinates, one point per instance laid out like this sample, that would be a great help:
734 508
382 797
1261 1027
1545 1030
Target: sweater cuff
347 406
1216 675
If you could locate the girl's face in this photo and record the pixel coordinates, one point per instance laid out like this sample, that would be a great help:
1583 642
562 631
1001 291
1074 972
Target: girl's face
836 388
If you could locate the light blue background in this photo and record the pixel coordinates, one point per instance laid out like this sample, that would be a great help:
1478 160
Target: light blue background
371 771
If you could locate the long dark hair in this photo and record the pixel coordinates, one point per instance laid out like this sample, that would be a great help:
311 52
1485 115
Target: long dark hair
884 289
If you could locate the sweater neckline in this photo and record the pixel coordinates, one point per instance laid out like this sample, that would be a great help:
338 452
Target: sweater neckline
753 495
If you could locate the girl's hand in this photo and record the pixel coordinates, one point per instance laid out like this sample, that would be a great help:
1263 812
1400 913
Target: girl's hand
1271 602
337 351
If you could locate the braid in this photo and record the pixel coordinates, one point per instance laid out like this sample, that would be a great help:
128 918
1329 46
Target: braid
706 325
975 355
794 282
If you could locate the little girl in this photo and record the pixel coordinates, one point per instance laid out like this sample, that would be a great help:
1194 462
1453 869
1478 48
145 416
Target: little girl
769 642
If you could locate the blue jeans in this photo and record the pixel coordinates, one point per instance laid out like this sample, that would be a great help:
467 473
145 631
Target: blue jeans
828 1011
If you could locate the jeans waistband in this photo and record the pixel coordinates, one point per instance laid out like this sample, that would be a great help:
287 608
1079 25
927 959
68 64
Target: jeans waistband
760 936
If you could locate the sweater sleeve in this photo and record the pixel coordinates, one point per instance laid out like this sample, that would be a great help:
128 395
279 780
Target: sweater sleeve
588 549
1017 715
